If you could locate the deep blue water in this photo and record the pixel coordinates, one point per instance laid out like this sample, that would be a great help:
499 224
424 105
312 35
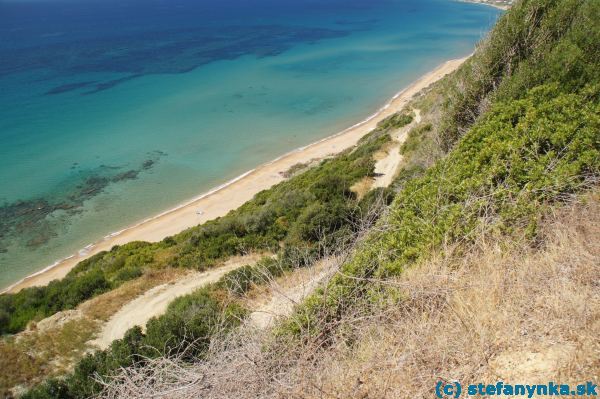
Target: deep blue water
111 111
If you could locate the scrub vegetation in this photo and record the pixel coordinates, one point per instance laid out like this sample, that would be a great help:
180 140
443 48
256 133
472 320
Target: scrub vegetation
507 143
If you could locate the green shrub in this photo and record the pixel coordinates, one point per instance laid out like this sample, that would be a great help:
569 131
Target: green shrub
523 155
395 121
537 42
91 277
239 281
415 138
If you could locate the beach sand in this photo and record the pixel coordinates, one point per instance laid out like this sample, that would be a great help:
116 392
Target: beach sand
503 7
220 201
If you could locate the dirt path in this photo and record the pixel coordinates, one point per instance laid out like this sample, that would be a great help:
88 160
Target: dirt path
287 292
155 301
387 166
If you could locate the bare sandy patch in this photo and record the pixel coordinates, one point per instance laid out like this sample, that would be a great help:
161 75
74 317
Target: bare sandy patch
386 167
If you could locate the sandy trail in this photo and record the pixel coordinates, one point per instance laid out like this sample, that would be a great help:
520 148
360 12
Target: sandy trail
386 167
220 201
290 291
155 301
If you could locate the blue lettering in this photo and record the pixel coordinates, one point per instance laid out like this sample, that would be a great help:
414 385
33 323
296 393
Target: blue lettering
472 390
481 389
591 388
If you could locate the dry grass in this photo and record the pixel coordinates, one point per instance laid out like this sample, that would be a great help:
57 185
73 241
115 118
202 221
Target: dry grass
362 187
52 346
290 280
37 354
104 306
505 311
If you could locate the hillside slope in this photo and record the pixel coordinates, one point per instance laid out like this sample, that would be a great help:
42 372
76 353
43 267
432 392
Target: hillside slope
504 311
470 226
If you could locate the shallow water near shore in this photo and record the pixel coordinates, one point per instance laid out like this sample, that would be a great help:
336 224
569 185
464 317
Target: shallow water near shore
110 119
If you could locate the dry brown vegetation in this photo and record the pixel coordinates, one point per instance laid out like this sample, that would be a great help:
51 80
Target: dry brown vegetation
505 311
49 350
51 346
362 187
105 305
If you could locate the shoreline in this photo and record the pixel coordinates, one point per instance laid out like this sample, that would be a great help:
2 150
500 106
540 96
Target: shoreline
220 200
486 3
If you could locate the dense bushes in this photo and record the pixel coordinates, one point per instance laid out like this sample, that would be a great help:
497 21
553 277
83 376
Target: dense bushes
537 42
242 279
91 277
523 155
283 214
39 302
395 121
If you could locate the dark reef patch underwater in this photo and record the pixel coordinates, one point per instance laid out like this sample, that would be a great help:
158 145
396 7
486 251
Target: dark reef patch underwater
34 222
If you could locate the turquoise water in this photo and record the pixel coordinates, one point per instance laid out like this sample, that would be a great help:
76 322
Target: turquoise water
110 113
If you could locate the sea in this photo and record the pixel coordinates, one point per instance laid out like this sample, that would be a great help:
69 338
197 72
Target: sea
112 111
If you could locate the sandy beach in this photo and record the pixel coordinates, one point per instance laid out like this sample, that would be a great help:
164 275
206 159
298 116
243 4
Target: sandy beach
503 7
221 200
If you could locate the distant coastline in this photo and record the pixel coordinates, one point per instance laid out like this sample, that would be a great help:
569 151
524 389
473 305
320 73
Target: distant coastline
231 195
500 4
